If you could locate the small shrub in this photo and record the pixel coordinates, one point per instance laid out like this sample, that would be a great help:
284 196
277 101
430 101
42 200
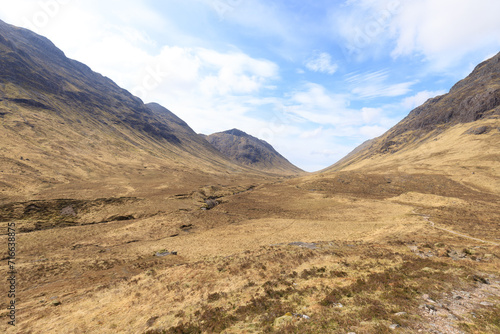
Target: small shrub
184 328
338 273
213 297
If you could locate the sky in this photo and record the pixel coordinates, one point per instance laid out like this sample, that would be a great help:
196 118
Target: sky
313 78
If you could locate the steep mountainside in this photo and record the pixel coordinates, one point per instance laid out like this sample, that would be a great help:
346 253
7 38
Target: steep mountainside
247 150
60 122
460 129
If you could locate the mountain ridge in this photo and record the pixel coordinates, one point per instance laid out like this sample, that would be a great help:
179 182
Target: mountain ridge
473 99
251 151
70 124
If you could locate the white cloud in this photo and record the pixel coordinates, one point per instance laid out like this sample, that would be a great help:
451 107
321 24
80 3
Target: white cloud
357 78
371 115
363 25
411 102
234 73
375 84
312 133
316 96
322 63
261 17
210 90
372 131
442 31
372 91
421 27
325 152
314 103
312 154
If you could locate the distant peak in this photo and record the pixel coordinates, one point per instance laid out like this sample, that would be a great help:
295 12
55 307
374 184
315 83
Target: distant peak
248 150
236 132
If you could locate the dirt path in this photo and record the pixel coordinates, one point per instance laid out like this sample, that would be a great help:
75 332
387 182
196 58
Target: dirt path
427 218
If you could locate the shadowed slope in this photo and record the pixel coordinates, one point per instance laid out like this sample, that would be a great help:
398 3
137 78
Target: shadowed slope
247 150
60 122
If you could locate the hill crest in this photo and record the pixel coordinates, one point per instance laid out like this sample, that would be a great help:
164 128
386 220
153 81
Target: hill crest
250 151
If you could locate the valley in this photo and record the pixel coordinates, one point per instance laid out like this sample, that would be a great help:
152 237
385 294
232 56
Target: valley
127 221
259 255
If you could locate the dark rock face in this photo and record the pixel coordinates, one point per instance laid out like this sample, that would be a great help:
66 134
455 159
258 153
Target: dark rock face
82 122
473 98
35 65
250 151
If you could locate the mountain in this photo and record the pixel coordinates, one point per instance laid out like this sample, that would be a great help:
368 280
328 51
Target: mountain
111 204
247 150
457 133
62 123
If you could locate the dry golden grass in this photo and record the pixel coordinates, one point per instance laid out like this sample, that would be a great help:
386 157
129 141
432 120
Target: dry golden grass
236 271
466 158
98 184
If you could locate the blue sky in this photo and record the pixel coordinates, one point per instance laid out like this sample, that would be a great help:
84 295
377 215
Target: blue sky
313 78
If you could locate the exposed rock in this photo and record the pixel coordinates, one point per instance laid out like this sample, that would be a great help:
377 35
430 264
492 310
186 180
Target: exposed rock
284 320
247 150
68 211
480 279
120 218
310 245
151 321
429 308
186 227
478 130
302 316
459 306
456 255
164 252
210 203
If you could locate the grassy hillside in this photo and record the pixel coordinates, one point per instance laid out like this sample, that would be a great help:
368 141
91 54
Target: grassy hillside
63 124
448 125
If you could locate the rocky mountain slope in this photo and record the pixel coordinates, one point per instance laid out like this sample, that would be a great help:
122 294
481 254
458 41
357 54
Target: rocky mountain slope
62 123
458 133
247 150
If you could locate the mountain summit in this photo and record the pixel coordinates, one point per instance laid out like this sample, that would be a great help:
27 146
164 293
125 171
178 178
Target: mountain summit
247 150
